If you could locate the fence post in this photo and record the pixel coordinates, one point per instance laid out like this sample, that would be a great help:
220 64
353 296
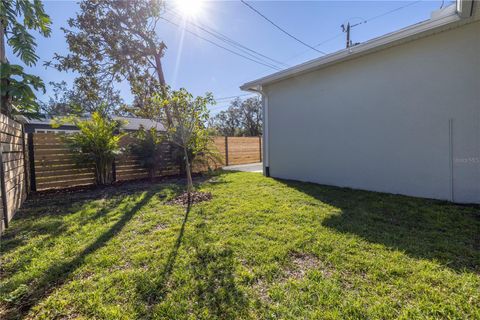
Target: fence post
31 159
25 167
226 150
260 147
4 192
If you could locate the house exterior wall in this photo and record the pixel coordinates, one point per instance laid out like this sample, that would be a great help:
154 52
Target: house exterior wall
403 120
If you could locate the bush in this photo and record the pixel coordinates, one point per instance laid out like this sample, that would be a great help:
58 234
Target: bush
97 142
148 148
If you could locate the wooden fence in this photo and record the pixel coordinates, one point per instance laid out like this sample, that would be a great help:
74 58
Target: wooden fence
239 150
42 161
129 167
13 168
54 166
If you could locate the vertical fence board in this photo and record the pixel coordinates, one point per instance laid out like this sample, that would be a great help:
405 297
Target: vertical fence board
13 168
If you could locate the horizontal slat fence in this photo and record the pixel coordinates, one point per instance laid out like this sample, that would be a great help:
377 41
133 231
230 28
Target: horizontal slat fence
41 161
14 168
239 150
56 167
55 164
129 167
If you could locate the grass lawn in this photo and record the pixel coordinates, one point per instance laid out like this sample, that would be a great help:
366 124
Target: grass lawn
260 249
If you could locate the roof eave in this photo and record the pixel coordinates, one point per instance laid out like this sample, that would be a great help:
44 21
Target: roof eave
358 50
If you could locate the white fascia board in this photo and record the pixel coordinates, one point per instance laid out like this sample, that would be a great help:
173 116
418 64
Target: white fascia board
464 8
388 40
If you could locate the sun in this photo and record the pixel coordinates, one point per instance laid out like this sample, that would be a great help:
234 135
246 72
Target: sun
189 8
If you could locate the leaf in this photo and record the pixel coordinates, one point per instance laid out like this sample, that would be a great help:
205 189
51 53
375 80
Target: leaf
18 86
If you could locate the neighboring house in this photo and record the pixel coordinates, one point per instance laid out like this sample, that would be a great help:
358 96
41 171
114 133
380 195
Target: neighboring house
398 114
45 125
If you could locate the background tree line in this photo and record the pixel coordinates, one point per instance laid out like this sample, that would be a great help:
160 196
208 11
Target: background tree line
242 118
110 42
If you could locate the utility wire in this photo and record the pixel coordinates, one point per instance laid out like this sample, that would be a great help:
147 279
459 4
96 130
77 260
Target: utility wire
317 45
222 37
363 22
386 13
280 28
222 47
234 97
235 43
219 107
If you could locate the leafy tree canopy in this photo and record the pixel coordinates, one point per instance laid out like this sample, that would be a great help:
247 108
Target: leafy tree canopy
187 127
114 41
81 100
17 19
242 118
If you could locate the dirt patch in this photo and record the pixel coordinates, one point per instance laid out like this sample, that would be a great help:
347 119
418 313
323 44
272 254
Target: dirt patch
161 226
302 263
196 197
261 288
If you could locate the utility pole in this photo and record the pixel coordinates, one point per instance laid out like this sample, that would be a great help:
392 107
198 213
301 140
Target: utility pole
346 29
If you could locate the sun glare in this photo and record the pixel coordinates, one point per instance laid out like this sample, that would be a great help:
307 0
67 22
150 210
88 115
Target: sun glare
189 8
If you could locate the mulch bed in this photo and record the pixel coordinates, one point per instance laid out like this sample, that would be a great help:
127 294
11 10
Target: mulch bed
196 197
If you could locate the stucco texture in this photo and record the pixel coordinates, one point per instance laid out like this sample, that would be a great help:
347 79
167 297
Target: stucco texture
398 120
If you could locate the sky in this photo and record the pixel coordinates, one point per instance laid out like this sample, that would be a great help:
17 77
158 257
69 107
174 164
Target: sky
200 66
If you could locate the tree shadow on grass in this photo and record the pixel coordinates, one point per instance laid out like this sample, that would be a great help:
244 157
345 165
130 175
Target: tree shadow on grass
436 230
48 221
212 271
156 288
216 292
43 212
58 274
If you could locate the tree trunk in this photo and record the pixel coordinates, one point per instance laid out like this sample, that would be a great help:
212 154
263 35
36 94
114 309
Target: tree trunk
159 69
189 175
161 80
103 173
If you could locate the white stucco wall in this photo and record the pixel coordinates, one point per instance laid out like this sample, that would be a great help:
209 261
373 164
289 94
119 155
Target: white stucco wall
381 122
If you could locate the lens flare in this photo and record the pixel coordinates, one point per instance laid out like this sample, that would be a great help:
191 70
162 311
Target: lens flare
189 8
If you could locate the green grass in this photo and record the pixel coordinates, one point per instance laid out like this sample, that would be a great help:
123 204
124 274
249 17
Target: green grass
260 249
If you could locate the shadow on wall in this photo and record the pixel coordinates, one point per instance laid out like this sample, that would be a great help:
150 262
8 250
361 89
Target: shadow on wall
429 229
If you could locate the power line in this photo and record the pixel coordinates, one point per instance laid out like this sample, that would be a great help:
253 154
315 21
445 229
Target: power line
386 13
234 97
317 45
232 42
363 22
391 11
346 27
219 107
329 39
280 28
235 43
222 47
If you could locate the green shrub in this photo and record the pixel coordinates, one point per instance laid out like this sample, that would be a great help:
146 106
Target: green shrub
148 148
97 142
